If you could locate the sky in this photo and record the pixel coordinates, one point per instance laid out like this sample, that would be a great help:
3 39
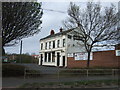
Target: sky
50 20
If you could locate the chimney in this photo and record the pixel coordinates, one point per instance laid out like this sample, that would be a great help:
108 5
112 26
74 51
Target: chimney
52 32
61 29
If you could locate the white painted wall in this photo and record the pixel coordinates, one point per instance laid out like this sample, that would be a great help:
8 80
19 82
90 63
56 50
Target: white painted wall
72 46
52 39
61 49
75 46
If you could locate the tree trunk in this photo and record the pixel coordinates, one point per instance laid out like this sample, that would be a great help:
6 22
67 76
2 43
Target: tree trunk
88 60
3 51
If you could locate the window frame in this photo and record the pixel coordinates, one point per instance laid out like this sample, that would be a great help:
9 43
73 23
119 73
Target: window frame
46 45
54 44
41 46
64 42
58 43
50 45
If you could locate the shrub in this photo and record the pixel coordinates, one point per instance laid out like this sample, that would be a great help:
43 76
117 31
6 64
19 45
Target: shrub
12 70
26 59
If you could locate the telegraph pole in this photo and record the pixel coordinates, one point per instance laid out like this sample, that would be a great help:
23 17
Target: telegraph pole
20 51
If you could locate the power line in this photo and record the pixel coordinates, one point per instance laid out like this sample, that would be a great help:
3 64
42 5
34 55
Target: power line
54 10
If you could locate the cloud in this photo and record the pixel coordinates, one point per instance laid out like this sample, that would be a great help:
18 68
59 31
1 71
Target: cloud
51 20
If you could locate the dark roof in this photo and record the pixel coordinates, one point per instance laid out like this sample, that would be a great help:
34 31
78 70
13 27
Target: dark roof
57 34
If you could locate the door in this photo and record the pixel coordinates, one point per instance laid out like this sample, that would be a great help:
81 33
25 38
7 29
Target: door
41 59
63 61
58 59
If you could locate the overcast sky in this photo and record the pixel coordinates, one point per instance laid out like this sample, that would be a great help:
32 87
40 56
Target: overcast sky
51 20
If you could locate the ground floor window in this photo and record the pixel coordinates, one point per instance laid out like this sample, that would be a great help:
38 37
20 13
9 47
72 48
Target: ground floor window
53 56
49 57
45 57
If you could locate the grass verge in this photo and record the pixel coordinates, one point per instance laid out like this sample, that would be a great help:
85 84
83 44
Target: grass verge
77 84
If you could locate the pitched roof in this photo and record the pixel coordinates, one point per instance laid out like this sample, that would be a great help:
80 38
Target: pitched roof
57 34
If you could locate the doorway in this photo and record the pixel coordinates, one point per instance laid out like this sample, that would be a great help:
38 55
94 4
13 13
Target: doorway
63 61
41 59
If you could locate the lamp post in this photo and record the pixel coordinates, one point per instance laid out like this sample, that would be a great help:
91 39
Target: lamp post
20 51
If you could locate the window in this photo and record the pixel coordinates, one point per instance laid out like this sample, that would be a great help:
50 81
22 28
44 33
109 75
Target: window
45 57
41 46
46 45
63 42
58 43
49 45
53 56
69 36
49 57
75 37
53 44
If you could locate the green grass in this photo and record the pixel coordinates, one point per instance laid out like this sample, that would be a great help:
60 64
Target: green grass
93 83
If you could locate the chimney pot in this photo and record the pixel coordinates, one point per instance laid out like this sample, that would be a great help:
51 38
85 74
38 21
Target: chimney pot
61 29
52 32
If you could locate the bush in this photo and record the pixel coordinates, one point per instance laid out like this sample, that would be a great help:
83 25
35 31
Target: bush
12 70
26 59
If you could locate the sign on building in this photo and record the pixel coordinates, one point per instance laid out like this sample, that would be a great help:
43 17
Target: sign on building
117 52
70 55
82 56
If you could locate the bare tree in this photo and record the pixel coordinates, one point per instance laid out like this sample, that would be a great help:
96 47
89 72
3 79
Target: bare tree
94 24
19 20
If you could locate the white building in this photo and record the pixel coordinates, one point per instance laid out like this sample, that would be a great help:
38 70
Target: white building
54 49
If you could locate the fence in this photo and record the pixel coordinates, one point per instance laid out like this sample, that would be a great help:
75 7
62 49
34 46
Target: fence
70 73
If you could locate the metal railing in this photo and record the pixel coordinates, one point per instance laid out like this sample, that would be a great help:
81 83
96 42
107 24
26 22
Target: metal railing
70 73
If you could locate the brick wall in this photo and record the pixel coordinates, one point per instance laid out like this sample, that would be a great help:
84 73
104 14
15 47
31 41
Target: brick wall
100 59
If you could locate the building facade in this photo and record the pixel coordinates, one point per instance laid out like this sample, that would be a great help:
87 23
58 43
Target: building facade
54 48
63 49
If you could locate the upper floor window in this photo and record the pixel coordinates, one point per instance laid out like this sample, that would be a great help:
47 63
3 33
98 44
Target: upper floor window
63 42
69 36
58 43
49 45
41 46
53 44
46 45
76 37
